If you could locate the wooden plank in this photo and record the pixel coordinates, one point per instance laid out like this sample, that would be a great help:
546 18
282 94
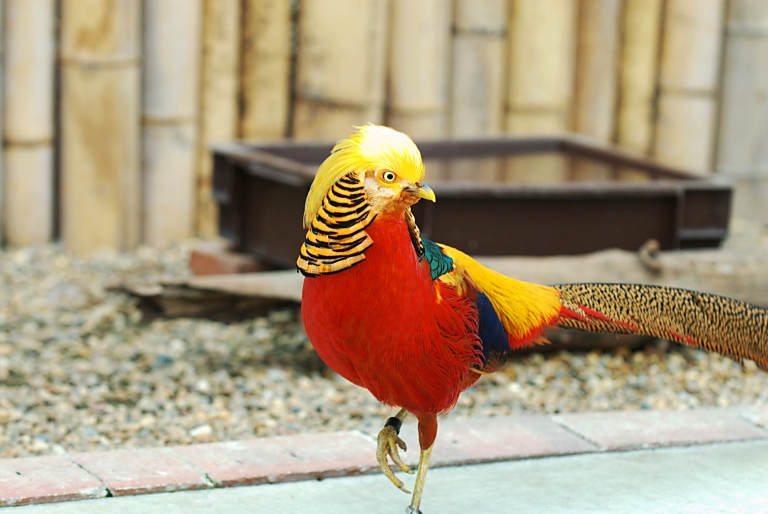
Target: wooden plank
219 87
340 73
281 285
596 68
179 299
737 272
28 131
750 198
100 106
638 73
742 152
172 30
688 83
419 64
266 69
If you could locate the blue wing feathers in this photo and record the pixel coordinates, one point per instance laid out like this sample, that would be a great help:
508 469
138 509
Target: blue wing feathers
490 330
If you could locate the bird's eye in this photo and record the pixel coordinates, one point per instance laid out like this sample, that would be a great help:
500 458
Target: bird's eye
388 176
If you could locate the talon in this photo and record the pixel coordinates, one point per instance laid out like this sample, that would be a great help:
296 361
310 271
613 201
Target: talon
387 445
394 454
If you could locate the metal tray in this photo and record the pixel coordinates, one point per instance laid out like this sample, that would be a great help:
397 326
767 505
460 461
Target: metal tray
506 196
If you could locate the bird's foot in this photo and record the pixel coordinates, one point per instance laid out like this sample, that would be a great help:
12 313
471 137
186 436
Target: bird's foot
409 510
387 445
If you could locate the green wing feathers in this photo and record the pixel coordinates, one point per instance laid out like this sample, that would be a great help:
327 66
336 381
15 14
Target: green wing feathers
730 327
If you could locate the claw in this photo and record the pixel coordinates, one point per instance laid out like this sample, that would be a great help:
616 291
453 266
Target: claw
387 445
394 442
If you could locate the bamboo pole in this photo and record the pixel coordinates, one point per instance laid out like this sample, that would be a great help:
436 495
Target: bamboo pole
28 121
480 37
2 159
218 99
688 83
340 66
596 68
596 77
419 64
266 65
477 81
638 74
542 52
541 65
172 30
742 152
100 106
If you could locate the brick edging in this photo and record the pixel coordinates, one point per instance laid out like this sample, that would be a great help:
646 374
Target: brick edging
84 475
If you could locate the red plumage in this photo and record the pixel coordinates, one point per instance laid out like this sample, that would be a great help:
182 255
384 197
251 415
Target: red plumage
380 325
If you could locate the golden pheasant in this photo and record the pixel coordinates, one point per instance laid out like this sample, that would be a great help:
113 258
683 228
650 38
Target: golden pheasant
416 322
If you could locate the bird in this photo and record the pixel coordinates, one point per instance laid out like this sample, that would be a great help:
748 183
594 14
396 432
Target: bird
416 322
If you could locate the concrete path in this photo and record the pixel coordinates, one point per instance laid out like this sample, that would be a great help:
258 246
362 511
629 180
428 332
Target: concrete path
716 478
624 461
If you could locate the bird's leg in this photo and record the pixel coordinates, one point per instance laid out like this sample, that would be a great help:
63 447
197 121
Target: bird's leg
421 478
387 445
427 435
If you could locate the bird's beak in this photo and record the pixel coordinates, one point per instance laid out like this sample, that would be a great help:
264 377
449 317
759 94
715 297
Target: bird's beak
423 191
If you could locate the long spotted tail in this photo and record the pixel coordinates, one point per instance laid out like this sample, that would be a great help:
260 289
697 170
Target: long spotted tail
730 327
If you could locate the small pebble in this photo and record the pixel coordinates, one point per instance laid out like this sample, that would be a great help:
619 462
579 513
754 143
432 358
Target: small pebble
201 433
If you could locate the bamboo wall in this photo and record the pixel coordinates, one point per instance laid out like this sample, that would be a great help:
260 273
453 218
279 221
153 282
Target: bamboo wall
108 106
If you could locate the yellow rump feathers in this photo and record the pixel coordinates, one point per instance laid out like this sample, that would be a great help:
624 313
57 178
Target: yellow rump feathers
369 148
523 308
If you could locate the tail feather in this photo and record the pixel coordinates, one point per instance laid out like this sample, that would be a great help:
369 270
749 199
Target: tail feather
729 327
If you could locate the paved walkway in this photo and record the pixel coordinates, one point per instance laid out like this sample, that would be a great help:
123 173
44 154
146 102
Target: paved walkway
725 477
649 461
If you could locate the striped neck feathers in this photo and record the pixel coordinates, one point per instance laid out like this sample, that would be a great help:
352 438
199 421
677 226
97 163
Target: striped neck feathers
336 239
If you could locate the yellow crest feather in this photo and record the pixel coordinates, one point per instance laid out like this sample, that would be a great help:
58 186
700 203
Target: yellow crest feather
369 148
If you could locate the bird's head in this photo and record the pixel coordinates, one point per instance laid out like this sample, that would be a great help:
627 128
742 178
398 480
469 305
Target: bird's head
388 163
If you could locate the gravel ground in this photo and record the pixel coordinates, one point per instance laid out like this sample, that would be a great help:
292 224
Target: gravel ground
80 369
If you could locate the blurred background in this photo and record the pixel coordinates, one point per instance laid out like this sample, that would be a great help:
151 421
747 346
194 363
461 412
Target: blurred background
109 106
